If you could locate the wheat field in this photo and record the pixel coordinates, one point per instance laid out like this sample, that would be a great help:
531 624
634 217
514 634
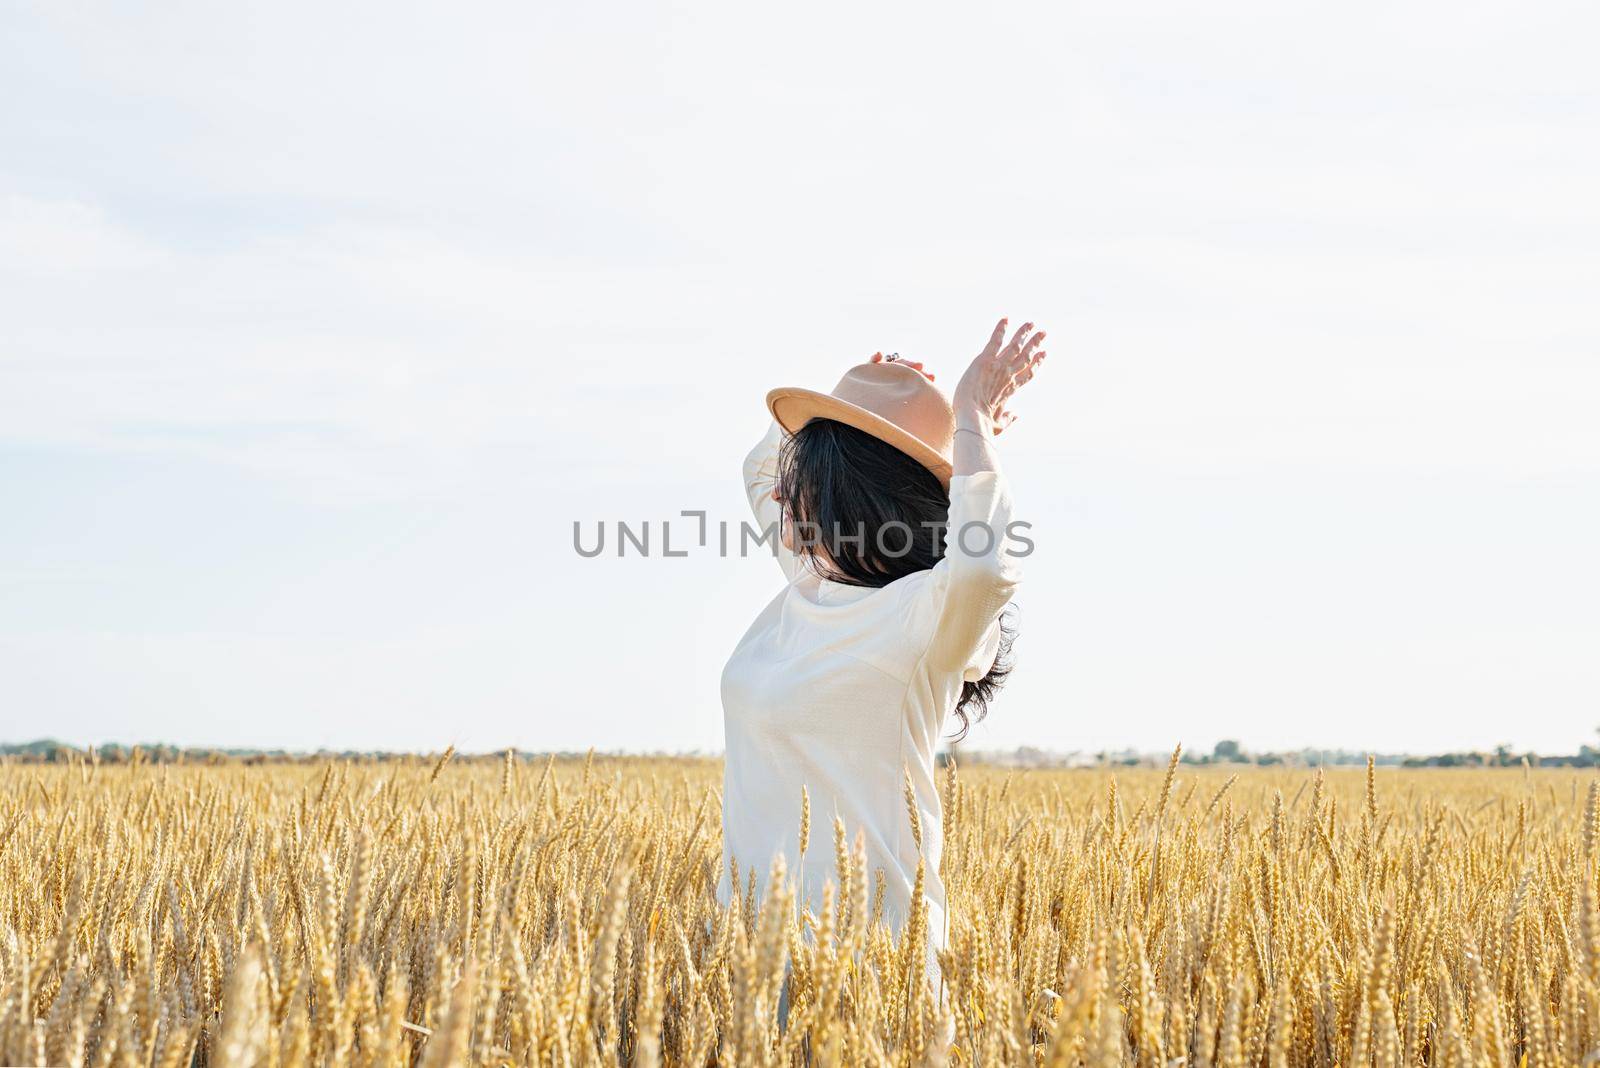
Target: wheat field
489 912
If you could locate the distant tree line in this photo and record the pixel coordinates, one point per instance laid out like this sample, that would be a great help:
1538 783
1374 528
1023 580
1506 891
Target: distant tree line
51 751
1227 751
1230 751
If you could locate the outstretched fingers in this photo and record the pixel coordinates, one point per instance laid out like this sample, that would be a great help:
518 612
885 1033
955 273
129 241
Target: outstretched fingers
1021 351
1026 371
997 338
1009 353
1000 370
1029 354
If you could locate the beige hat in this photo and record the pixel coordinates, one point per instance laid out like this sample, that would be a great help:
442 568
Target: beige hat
891 401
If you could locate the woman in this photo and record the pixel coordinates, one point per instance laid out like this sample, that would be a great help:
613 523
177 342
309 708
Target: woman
887 626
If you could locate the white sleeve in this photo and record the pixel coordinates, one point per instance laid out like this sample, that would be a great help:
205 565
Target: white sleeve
760 475
972 585
983 659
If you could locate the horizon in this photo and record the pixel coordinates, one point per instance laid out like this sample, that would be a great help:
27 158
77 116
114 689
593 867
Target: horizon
1243 753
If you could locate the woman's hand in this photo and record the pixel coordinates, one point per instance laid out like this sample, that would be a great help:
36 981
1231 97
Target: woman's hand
1000 369
916 365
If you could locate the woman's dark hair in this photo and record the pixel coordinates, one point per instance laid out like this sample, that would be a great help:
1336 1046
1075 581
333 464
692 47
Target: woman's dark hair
836 480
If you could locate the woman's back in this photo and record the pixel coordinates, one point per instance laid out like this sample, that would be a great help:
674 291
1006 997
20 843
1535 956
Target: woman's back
843 690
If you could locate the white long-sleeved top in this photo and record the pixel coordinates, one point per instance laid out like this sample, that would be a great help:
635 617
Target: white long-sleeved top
843 689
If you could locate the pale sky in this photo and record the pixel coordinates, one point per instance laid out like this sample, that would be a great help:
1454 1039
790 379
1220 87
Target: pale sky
321 324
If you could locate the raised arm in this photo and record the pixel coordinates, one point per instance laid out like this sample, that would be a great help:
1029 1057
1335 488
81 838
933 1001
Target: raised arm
760 477
978 574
